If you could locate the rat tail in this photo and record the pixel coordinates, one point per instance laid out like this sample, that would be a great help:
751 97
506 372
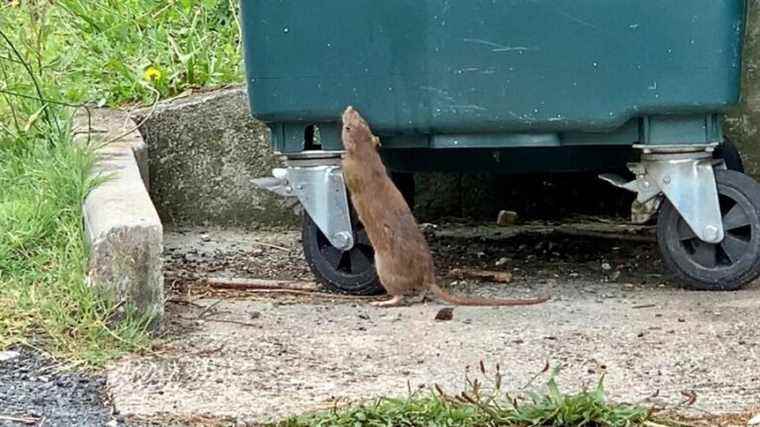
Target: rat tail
480 301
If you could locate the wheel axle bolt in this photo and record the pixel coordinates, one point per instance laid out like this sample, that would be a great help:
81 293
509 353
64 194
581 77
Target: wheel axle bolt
343 240
666 180
711 233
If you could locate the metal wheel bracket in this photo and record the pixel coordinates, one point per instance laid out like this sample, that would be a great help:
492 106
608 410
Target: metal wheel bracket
321 189
686 178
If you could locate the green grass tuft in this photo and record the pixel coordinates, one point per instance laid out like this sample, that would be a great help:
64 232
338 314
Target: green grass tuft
479 406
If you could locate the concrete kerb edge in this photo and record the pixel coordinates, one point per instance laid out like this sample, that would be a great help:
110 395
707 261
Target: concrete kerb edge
122 228
190 100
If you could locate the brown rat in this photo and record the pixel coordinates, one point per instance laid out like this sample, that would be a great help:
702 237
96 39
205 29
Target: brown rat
402 257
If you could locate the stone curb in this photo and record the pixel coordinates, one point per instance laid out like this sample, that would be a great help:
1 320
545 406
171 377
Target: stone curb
123 229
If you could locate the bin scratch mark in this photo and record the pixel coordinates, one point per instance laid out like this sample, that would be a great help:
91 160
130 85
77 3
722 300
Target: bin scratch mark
469 107
446 7
577 20
440 92
499 47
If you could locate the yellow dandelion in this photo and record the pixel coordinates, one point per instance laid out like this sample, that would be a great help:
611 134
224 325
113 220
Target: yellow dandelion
152 74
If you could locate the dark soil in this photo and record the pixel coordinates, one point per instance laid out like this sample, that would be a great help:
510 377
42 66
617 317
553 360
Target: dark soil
542 257
540 253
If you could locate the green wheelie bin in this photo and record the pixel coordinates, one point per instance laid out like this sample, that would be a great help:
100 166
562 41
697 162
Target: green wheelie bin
513 86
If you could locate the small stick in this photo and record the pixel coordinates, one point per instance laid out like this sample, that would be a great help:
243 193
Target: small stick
269 245
495 276
636 307
604 235
22 420
234 322
307 293
252 284
217 321
208 308
183 302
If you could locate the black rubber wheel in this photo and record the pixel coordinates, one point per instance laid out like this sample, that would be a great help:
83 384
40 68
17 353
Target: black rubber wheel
730 154
349 272
728 265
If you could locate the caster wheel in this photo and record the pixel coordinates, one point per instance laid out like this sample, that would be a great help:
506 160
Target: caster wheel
730 154
725 266
350 272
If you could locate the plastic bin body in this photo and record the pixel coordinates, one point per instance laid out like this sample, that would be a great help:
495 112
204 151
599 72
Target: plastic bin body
495 74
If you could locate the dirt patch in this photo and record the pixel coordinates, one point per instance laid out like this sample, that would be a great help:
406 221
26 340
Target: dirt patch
193 254
259 357
536 253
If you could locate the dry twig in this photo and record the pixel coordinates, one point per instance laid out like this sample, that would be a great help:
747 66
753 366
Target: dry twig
260 284
492 276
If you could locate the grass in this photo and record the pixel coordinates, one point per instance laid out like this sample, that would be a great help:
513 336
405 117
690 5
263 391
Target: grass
121 51
481 406
44 299
53 57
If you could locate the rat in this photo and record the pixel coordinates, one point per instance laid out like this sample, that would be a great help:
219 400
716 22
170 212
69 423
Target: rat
403 259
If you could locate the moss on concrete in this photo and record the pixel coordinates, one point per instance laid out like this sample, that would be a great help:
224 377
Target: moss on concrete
204 151
743 124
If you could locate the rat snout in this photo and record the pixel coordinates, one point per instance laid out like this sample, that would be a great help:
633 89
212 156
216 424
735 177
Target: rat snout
349 115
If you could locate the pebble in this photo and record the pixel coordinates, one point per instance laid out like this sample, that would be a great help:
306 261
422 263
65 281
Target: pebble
426 226
444 314
8 355
755 421
606 266
507 218
501 261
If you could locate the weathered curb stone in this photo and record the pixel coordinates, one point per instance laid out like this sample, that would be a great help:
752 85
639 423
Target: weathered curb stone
122 227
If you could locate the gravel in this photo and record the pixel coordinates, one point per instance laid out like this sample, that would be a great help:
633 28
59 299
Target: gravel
33 389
